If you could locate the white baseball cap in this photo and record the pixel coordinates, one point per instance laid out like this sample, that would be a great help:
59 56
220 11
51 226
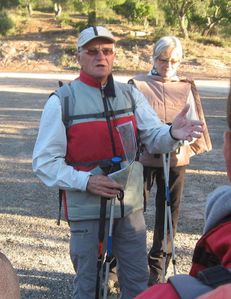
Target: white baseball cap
91 33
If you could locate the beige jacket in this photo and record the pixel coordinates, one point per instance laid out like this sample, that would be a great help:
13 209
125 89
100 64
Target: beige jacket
168 98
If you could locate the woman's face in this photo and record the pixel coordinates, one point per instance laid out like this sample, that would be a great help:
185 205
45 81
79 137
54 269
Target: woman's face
167 63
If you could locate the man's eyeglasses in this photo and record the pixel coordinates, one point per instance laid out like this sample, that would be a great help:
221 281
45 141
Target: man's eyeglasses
95 51
172 61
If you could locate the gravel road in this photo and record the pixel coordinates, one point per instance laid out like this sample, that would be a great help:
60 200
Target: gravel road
29 236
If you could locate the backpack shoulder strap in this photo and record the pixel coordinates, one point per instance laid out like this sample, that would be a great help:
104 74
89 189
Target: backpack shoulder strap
215 276
188 287
66 96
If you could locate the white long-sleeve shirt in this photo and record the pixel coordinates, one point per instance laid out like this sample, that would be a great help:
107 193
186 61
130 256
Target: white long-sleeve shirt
51 144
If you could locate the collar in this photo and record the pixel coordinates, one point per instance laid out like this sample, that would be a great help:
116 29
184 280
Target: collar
157 77
109 88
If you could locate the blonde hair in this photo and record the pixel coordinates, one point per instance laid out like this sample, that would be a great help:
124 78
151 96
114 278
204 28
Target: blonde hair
167 42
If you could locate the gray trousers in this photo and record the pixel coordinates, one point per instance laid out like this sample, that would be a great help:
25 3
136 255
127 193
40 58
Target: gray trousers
128 246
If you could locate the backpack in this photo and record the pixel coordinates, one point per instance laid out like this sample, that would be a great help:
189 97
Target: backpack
209 257
211 267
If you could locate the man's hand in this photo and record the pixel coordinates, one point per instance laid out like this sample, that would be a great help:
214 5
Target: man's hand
185 129
103 186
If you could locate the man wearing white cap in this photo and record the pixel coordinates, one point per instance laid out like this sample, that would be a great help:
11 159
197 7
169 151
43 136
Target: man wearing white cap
73 158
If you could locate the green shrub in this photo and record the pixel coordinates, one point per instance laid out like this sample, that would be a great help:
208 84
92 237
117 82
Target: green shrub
135 11
64 19
215 41
6 23
44 5
79 26
163 31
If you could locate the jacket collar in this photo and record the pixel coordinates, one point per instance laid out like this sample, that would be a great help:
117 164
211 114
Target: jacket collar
109 89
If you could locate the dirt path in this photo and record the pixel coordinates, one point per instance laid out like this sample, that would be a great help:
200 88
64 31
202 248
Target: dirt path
29 235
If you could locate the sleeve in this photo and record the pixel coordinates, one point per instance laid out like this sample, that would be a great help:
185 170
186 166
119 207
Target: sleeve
49 153
153 133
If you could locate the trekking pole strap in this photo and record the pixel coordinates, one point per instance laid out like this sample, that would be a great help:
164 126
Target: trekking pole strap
102 220
60 206
120 197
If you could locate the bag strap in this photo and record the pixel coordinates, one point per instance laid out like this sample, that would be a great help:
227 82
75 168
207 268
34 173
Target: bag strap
65 94
66 97
188 287
215 276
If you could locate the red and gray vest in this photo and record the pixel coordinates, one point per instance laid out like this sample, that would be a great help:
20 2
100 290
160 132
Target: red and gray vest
93 139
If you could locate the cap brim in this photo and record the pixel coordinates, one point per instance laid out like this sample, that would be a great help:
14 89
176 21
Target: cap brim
95 37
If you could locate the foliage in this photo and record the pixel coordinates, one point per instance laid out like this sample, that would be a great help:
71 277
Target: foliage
43 5
210 41
205 16
26 2
135 11
180 10
80 6
208 17
67 5
215 13
8 4
113 3
6 23
164 31
64 19
79 26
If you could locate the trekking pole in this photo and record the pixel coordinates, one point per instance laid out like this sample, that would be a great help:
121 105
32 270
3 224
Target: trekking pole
116 161
167 217
109 243
115 165
109 249
102 221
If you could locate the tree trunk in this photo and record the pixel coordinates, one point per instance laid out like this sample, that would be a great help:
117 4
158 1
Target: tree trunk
92 13
207 31
57 9
183 26
29 8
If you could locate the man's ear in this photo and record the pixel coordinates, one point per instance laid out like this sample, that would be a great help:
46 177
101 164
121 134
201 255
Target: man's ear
227 152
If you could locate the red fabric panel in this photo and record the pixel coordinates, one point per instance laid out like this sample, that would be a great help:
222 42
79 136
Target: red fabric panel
90 141
218 242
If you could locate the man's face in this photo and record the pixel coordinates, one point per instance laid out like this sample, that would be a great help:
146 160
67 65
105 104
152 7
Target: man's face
167 63
96 58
